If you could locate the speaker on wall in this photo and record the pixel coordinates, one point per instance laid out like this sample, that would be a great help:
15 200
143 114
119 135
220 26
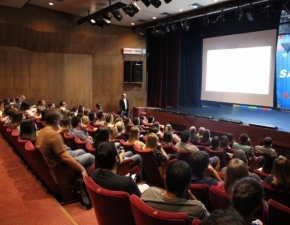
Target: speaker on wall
133 71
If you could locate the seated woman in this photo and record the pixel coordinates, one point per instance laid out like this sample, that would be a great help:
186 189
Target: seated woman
109 119
118 129
65 125
167 139
27 111
236 169
206 139
152 145
85 117
134 134
215 145
28 130
16 119
200 132
280 177
168 128
103 134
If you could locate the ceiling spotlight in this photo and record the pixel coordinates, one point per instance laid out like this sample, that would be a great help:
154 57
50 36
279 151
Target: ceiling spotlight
156 3
184 25
167 1
173 27
142 33
167 28
205 21
107 19
249 15
158 32
146 2
131 9
240 14
92 22
117 15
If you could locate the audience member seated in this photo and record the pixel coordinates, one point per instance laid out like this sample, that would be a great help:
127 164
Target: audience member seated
215 145
92 117
193 136
231 139
27 110
183 144
41 105
236 169
267 167
247 198
66 125
50 105
102 135
28 130
280 177
224 217
151 145
118 130
177 198
85 117
7 114
206 139
50 142
246 146
109 119
107 160
168 128
240 154
202 171
78 130
134 134
99 108
157 125
100 118
144 121
267 148
167 139
200 132
128 127
1 109
16 119
136 122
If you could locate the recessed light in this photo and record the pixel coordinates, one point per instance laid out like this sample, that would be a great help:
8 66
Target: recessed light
180 10
51 3
215 0
195 5
132 24
154 17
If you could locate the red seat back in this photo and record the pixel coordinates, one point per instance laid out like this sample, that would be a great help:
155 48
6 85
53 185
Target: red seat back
184 154
144 214
261 174
127 146
278 213
201 192
219 199
279 196
70 141
111 207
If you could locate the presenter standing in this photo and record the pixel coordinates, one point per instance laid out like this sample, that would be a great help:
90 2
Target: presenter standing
124 105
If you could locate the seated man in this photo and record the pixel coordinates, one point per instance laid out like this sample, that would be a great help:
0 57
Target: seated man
193 136
247 198
136 123
246 146
202 171
267 148
183 144
173 199
50 142
106 176
78 130
222 217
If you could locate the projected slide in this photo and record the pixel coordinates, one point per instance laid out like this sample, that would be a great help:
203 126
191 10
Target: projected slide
240 68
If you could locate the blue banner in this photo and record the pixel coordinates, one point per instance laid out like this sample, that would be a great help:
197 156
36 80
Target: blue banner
283 72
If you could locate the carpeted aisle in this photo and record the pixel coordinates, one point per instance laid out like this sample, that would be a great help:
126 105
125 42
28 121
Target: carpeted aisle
24 201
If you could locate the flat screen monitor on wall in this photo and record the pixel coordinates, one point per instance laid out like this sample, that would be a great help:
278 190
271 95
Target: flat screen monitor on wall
240 68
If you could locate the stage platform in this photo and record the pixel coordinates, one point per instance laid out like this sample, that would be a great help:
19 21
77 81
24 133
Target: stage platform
271 118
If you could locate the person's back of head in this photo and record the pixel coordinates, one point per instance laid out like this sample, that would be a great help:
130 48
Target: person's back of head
106 155
201 130
224 141
102 134
136 121
198 162
66 125
247 197
75 121
100 114
151 141
178 176
150 119
51 116
205 136
244 138
236 169
192 130
109 118
224 217
168 127
134 134
28 130
92 116
281 174
153 130
98 106
167 137
240 154
230 137
267 142
16 119
156 124
24 106
215 142
185 136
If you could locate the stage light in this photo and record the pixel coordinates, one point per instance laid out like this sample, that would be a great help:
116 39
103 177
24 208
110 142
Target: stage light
173 27
240 14
132 9
156 3
205 21
184 25
167 1
250 16
92 22
158 32
146 2
167 28
117 15
107 19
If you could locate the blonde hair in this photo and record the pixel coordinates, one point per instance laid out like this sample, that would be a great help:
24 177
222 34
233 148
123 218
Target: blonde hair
151 142
133 135
118 128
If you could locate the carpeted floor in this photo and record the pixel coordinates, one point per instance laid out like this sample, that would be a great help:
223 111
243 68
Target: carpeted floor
23 200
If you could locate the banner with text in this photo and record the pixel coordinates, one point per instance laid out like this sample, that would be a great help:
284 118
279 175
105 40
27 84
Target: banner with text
283 72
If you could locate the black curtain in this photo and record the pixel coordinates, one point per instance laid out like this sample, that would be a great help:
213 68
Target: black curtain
162 66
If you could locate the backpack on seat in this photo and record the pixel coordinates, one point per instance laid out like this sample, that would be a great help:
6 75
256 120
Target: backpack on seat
82 193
